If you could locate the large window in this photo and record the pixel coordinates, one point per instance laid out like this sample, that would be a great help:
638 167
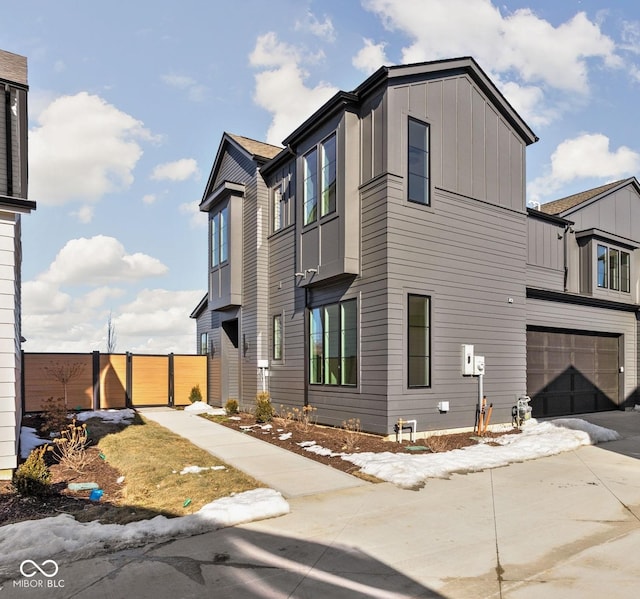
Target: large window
277 337
613 269
333 344
319 180
419 341
418 169
220 237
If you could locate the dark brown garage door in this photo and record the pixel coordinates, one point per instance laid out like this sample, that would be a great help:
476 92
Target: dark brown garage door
571 372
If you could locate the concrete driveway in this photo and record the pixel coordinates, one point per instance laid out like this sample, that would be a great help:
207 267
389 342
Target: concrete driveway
565 526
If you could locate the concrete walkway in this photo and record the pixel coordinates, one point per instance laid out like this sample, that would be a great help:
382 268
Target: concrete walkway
286 472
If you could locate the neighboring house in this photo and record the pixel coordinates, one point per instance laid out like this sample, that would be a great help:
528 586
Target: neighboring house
390 231
13 203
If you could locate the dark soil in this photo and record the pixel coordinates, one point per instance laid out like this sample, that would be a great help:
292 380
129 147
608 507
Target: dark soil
61 500
339 440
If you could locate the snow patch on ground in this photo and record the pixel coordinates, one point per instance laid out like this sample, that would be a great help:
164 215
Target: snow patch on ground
200 407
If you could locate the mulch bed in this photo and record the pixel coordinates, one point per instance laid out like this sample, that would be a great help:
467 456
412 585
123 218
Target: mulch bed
338 440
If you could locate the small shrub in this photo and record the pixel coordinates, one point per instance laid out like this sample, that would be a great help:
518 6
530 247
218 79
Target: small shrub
54 415
195 395
71 447
286 416
305 417
231 407
351 429
264 410
33 477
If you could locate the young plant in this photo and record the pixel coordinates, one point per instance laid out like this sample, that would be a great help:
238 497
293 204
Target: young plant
231 407
264 410
71 447
305 417
33 477
64 374
351 429
286 416
196 394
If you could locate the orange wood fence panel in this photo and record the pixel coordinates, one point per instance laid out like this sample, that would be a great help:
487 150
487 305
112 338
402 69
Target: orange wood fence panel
189 371
150 380
113 381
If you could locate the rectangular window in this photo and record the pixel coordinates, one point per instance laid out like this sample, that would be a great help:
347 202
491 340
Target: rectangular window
277 337
614 269
220 237
333 344
418 168
625 272
419 341
603 278
204 344
310 187
328 176
278 209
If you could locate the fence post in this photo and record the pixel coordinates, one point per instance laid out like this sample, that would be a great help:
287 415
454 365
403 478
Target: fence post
96 380
171 401
129 383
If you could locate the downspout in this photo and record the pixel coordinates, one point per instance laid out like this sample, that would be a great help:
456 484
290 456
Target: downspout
565 241
8 138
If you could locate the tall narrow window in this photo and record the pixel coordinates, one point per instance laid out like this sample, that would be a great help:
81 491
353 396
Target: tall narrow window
278 209
333 344
419 341
614 269
625 272
224 234
277 337
328 176
418 169
215 240
310 187
204 344
603 279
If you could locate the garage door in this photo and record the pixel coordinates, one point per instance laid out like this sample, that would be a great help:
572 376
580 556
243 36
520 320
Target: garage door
570 372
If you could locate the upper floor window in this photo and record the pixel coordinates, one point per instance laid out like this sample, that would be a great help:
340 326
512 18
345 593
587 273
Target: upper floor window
204 344
614 269
279 209
333 357
418 168
219 224
320 160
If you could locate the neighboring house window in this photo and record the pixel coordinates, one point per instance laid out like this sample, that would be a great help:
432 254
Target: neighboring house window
204 344
418 169
614 269
320 180
419 341
277 337
333 341
279 209
220 237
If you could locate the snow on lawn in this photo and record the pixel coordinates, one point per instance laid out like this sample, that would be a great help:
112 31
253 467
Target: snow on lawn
537 440
200 407
39 539
107 415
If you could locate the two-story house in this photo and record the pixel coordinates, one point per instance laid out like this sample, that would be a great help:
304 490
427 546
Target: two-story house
13 203
348 268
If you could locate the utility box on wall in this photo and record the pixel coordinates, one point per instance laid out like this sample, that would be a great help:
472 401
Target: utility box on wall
468 362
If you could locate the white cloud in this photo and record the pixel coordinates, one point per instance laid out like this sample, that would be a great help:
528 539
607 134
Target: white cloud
84 214
323 29
197 219
179 170
370 57
520 41
43 298
96 149
149 198
195 91
529 102
99 260
281 89
584 157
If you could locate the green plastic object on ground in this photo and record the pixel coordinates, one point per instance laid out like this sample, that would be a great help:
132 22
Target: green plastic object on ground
82 486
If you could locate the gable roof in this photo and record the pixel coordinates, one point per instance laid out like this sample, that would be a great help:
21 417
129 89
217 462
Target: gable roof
564 204
257 149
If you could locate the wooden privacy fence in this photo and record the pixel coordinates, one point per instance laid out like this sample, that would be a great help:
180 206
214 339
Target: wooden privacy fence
100 381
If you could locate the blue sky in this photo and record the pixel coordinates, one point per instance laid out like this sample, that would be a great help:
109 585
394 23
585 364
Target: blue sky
128 102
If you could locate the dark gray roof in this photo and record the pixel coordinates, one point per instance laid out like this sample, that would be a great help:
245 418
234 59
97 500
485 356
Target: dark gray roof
564 204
